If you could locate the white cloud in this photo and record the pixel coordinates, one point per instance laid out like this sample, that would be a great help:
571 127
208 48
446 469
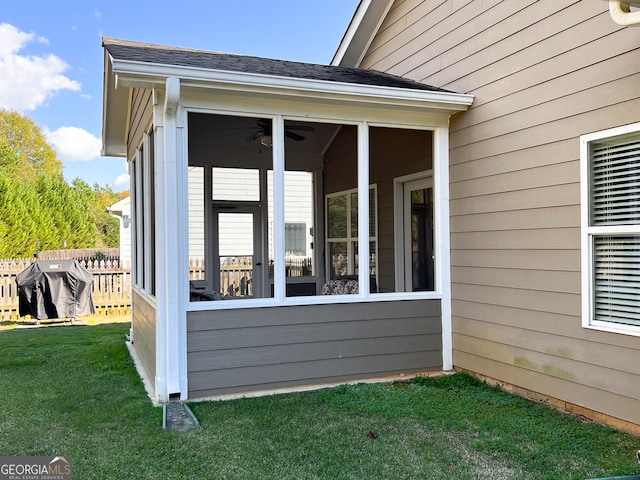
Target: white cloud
26 81
121 183
73 143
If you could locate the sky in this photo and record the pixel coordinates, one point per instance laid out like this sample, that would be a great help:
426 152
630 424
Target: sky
52 61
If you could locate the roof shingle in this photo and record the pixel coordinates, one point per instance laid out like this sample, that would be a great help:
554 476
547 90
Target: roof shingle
184 57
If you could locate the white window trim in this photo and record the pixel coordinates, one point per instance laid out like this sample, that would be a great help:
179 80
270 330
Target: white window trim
587 233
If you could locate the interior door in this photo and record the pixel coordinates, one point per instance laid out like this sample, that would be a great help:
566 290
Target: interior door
419 256
237 255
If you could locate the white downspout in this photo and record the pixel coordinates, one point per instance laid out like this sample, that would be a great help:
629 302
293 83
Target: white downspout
170 341
621 13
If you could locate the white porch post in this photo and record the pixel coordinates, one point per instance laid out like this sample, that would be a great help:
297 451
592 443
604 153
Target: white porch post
170 227
363 209
443 250
279 274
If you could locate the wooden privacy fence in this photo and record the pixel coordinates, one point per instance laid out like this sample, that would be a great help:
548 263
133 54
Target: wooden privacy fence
111 286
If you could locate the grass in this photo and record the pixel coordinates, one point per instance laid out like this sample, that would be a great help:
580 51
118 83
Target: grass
95 319
73 391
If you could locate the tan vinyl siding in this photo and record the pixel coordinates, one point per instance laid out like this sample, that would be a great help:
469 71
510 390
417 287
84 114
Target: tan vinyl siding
542 73
140 116
144 334
232 351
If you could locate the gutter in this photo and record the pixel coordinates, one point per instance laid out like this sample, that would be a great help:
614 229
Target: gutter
150 75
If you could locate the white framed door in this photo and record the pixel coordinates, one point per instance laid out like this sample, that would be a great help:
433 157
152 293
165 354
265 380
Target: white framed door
418 235
237 250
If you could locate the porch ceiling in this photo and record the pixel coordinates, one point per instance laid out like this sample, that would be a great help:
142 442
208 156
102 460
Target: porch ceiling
211 132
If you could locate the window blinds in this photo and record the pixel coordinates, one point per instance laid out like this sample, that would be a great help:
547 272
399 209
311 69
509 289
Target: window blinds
615 201
617 279
615 184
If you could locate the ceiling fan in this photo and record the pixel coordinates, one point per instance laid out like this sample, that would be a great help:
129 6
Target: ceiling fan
264 132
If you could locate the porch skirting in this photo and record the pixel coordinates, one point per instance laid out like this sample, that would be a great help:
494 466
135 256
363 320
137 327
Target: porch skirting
244 352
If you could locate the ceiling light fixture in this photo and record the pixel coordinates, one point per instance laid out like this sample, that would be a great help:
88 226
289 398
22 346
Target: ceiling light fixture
266 140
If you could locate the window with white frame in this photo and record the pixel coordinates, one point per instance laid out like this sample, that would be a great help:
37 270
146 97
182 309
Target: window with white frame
342 233
611 229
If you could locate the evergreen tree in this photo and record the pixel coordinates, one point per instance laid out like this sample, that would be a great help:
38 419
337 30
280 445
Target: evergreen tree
72 220
24 225
97 200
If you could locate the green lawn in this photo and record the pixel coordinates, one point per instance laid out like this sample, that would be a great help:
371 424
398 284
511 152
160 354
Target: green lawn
73 391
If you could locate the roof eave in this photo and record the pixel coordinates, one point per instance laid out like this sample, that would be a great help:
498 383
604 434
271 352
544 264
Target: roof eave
150 75
115 103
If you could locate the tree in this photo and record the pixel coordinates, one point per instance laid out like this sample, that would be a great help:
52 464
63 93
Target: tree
39 210
72 219
25 226
9 160
97 200
24 151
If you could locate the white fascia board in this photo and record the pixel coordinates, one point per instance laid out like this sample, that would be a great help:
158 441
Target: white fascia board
137 74
351 32
361 31
117 151
107 75
114 113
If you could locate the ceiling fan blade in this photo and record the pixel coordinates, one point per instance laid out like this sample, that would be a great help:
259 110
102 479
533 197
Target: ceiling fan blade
293 136
264 124
255 136
301 128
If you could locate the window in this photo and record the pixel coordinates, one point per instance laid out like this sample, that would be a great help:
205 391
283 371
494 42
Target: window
295 239
342 233
151 199
135 255
143 209
285 219
611 229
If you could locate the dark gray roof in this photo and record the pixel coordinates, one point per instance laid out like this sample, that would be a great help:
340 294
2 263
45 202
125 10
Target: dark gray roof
184 57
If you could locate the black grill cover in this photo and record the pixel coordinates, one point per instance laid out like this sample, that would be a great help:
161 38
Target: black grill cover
55 289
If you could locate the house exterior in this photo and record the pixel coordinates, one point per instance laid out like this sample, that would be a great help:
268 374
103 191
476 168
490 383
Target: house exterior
545 286
490 147
375 147
122 211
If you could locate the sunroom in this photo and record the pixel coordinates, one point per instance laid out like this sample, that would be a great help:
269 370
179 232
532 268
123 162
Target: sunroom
291 221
